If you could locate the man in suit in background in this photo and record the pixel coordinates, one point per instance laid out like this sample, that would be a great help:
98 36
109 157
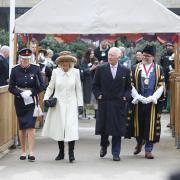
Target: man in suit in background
4 66
112 89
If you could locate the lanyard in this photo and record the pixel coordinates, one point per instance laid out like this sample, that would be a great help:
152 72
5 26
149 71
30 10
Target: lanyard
147 71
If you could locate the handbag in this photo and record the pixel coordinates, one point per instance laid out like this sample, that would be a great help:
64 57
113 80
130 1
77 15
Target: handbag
37 109
51 102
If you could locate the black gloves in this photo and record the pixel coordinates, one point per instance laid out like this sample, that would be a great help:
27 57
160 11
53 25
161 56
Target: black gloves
80 110
46 103
51 102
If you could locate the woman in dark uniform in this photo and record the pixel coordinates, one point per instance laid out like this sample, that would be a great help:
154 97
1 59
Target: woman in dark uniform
26 83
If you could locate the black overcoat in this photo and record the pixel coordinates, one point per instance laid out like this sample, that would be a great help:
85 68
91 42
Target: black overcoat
111 117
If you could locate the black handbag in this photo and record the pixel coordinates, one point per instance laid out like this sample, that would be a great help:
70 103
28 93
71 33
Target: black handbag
51 102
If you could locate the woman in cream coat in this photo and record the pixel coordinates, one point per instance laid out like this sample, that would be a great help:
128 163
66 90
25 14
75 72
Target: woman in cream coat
61 123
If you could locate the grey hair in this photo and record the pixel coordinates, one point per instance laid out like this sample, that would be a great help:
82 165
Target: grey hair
49 51
4 49
116 50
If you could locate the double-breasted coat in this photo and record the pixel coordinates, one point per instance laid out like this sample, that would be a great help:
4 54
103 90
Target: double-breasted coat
111 116
61 123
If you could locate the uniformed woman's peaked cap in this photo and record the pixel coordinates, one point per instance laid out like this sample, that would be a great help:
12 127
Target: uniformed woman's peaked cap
66 56
25 53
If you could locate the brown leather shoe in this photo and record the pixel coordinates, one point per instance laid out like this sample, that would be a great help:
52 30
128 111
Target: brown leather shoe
148 155
138 149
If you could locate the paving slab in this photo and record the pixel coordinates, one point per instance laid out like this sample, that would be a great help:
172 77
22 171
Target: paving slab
88 164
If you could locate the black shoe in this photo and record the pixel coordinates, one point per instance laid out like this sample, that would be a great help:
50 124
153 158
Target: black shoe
22 157
116 158
31 158
103 151
71 157
60 156
138 149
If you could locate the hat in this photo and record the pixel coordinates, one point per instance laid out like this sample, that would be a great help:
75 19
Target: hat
25 53
149 49
66 56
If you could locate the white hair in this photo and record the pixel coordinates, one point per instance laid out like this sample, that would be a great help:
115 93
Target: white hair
116 50
4 49
49 51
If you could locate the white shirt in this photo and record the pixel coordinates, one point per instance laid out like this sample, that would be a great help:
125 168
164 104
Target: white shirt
114 70
143 73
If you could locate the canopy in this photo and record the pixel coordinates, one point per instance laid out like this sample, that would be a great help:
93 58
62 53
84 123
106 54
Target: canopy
97 17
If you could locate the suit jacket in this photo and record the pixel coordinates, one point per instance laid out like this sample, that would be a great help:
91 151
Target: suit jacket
111 117
4 71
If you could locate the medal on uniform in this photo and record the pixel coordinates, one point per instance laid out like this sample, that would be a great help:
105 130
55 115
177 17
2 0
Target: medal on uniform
146 81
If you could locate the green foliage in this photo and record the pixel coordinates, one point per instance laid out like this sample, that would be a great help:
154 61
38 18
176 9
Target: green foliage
159 47
123 41
77 47
4 37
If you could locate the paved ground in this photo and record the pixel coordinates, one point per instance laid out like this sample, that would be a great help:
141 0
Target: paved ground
88 165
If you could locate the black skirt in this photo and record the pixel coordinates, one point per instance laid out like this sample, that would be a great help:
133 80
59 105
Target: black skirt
25 114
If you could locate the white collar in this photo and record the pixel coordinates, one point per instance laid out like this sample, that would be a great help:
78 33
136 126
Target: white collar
66 73
114 66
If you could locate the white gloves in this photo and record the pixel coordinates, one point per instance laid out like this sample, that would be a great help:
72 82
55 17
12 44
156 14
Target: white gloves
150 99
26 94
137 97
144 100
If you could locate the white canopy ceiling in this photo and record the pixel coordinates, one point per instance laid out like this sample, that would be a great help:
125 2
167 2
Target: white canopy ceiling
97 17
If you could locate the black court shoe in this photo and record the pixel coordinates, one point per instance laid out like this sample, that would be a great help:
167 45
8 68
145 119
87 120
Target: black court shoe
22 157
31 158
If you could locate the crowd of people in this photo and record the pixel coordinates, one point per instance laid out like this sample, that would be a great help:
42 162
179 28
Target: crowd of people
127 95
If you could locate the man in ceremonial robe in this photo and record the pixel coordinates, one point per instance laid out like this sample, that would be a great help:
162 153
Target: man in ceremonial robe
147 92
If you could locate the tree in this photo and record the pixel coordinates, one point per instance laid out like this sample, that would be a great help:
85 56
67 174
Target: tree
4 37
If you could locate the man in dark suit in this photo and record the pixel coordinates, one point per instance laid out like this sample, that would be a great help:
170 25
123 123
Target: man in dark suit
112 89
4 66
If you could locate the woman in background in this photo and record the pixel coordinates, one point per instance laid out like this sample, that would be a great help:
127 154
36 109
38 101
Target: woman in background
88 66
